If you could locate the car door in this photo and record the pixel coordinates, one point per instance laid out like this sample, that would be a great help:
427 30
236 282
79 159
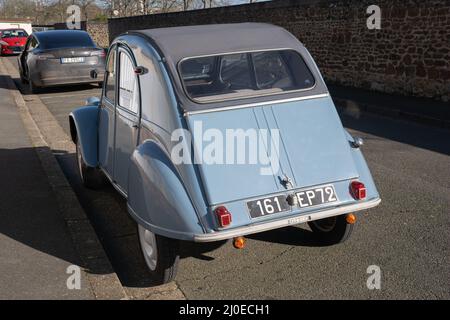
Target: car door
22 57
127 116
107 115
29 46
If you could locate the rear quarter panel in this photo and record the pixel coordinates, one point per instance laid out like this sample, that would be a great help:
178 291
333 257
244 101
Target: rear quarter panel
158 198
84 127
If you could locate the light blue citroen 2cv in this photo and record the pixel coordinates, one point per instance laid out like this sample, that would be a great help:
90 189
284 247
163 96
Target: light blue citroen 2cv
215 132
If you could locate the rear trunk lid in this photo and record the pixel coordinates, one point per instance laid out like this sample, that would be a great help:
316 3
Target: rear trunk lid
72 52
312 149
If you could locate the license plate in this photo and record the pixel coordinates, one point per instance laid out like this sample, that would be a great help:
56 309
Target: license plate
267 206
305 198
72 60
316 196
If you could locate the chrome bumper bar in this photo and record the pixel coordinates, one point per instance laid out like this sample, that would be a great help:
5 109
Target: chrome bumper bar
292 220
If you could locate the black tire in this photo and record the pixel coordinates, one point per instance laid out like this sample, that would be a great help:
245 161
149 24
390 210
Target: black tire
331 230
22 78
92 178
32 88
164 269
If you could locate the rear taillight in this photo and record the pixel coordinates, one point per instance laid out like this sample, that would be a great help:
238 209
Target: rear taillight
223 216
98 53
358 190
44 56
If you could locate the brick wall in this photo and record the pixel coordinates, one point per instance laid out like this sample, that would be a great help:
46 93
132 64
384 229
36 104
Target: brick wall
410 55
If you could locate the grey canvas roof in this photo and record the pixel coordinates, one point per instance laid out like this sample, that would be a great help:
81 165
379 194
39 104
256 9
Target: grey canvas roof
189 41
176 43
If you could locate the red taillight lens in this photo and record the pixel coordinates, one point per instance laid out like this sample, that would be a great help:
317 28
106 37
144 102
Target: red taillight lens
223 216
98 53
358 190
44 56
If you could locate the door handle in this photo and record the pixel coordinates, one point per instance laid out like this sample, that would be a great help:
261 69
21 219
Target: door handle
135 126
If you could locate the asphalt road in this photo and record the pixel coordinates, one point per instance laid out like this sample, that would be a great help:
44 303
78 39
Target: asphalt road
407 236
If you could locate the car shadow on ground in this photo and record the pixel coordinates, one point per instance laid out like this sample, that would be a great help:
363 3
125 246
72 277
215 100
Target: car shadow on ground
29 212
117 231
292 236
422 136
30 216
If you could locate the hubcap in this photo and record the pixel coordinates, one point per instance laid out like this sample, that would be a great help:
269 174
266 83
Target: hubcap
148 245
325 225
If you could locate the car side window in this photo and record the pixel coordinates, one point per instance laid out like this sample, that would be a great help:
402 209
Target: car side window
110 85
128 84
32 44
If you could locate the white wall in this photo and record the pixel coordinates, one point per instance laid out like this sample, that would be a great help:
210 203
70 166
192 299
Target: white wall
19 25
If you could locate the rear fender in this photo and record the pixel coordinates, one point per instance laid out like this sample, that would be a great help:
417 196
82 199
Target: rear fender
157 198
364 173
84 127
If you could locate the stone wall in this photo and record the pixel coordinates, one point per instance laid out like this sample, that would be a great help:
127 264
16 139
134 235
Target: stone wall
98 31
409 55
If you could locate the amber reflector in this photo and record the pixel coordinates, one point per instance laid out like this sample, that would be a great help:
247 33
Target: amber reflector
239 242
350 218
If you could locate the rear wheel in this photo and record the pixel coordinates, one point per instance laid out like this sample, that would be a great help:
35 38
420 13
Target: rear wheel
161 255
91 177
331 230
22 79
32 87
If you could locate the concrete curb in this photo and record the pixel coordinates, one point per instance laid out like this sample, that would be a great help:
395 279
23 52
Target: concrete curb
350 106
104 284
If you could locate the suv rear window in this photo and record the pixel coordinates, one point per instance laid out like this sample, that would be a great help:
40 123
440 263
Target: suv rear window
242 75
67 39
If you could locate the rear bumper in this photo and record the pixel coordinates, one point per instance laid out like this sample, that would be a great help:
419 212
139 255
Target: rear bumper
65 80
8 50
287 221
51 72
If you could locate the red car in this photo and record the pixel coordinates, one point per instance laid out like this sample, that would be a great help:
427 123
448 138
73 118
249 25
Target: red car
12 41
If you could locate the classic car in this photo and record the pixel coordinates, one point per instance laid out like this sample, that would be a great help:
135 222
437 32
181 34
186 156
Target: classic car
60 57
216 132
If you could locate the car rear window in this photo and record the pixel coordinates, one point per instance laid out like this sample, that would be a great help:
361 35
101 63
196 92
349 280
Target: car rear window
242 75
12 33
65 40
